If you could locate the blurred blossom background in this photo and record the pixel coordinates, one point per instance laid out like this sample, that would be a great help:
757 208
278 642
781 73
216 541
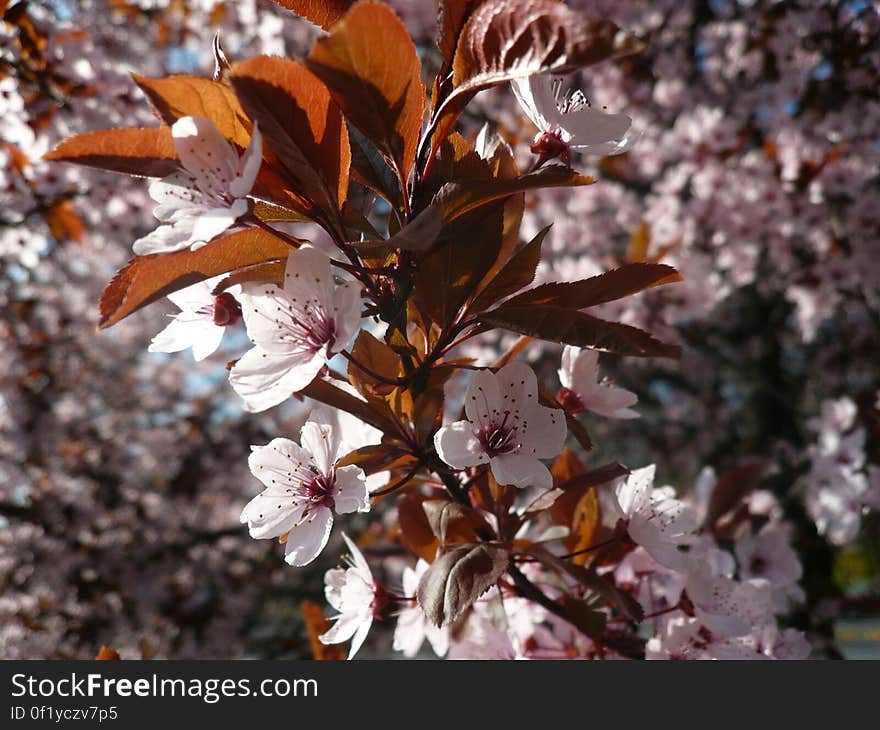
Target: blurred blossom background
123 472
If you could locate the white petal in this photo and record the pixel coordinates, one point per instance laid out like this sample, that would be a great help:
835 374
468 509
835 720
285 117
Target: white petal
347 314
165 238
173 193
483 397
318 440
279 464
358 559
457 446
590 127
306 540
543 432
351 493
410 631
203 150
307 274
265 379
207 341
211 223
359 637
268 515
249 165
345 627
634 493
178 335
521 470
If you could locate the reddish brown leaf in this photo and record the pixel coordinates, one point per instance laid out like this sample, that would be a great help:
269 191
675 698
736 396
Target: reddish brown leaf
320 12
618 283
457 578
456 198
517 273
146 152
732 486
148 278
300 123
572 327
379 91
451 19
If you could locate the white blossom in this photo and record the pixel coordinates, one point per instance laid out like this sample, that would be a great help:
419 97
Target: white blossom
295 328
201 321
566 121
304 487
655 519
204 199
505 428
353 592
582 390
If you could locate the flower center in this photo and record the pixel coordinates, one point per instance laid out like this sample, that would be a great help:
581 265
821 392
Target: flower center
758 565
549 145
320 490
227 310
498 438
570 401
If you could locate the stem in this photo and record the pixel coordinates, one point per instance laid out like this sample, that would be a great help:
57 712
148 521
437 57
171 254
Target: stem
405 479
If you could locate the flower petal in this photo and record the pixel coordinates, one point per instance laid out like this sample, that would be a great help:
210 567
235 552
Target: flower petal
521 470
457 446
306 540
264 379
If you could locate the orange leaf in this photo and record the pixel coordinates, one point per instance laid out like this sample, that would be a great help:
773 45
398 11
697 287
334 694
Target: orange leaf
148 278
107 654
64 223
148 152
317 624
187 96
639 242
300 123
381 93
415 530
320 12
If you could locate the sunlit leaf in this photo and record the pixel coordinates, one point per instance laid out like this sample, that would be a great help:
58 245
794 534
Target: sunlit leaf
300 123
148 278
320 12
370 64
145 152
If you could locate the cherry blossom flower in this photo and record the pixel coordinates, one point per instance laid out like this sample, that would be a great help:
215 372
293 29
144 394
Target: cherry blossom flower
202 319
204 199
566 121
304 487
505 428
296 328
769 555
358 598
581 390
412 625
655 519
